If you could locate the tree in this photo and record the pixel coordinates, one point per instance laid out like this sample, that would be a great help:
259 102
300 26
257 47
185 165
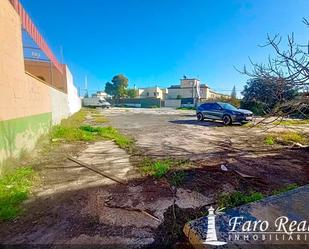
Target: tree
289 68
118 87
234 94
132 93
262 95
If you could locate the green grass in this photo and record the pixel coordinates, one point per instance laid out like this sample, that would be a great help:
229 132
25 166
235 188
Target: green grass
100 120
286 138
177 178
269 140
157 169
237 198
186 108
108 133
286 188
71 130
14 189
75 120
292 122
70 134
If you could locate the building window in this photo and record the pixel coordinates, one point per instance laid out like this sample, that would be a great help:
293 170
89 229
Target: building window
147 94
155 94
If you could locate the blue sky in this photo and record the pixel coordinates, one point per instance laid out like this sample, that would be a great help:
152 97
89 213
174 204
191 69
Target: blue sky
156 42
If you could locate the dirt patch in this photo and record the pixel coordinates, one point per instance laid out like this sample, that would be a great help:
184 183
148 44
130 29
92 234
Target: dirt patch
74 205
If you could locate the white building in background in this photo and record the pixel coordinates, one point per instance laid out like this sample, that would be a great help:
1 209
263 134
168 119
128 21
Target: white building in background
152 92
192 88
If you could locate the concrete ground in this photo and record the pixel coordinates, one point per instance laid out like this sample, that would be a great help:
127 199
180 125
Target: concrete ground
170 133
74 205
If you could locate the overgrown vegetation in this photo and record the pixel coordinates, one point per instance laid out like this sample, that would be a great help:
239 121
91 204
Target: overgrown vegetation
177 178
100 120
292 122
186 108
14 189
237 198
269 140
76 119
109 133
71 130
286 138
286 188
156 169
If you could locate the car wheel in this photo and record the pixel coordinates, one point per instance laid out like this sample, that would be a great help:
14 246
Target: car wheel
227 120
200 117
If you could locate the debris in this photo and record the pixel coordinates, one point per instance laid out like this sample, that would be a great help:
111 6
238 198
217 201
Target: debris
224 168
298 145
96 170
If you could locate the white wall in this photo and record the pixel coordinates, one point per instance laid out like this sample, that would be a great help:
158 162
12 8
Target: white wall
74 100
60 107
175 103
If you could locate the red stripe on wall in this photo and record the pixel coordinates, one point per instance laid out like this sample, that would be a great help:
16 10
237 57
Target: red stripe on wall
30 27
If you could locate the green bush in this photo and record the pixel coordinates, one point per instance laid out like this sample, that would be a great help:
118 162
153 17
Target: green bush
258 108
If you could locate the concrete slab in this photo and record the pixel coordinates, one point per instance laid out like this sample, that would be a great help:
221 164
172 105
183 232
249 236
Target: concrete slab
280 221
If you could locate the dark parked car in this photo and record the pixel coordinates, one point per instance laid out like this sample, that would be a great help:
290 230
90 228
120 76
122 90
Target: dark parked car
223 111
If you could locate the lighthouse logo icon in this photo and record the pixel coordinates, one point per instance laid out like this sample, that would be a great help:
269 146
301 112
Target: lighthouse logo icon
211 238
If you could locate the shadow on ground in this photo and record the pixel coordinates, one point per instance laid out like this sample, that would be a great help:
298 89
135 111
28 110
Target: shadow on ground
201 123
107 214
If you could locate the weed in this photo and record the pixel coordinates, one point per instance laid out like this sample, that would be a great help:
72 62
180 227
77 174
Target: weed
158 169
238 198
109 133
75 120
121 140
269 140
70 134
100 120
286 137
292 122
186 108
14 189
286 188
177 178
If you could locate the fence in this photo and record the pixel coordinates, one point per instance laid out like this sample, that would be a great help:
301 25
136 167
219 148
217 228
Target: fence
143 102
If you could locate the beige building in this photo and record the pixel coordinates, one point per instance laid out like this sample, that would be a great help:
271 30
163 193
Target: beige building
152 92
192 88
188 88
215 95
